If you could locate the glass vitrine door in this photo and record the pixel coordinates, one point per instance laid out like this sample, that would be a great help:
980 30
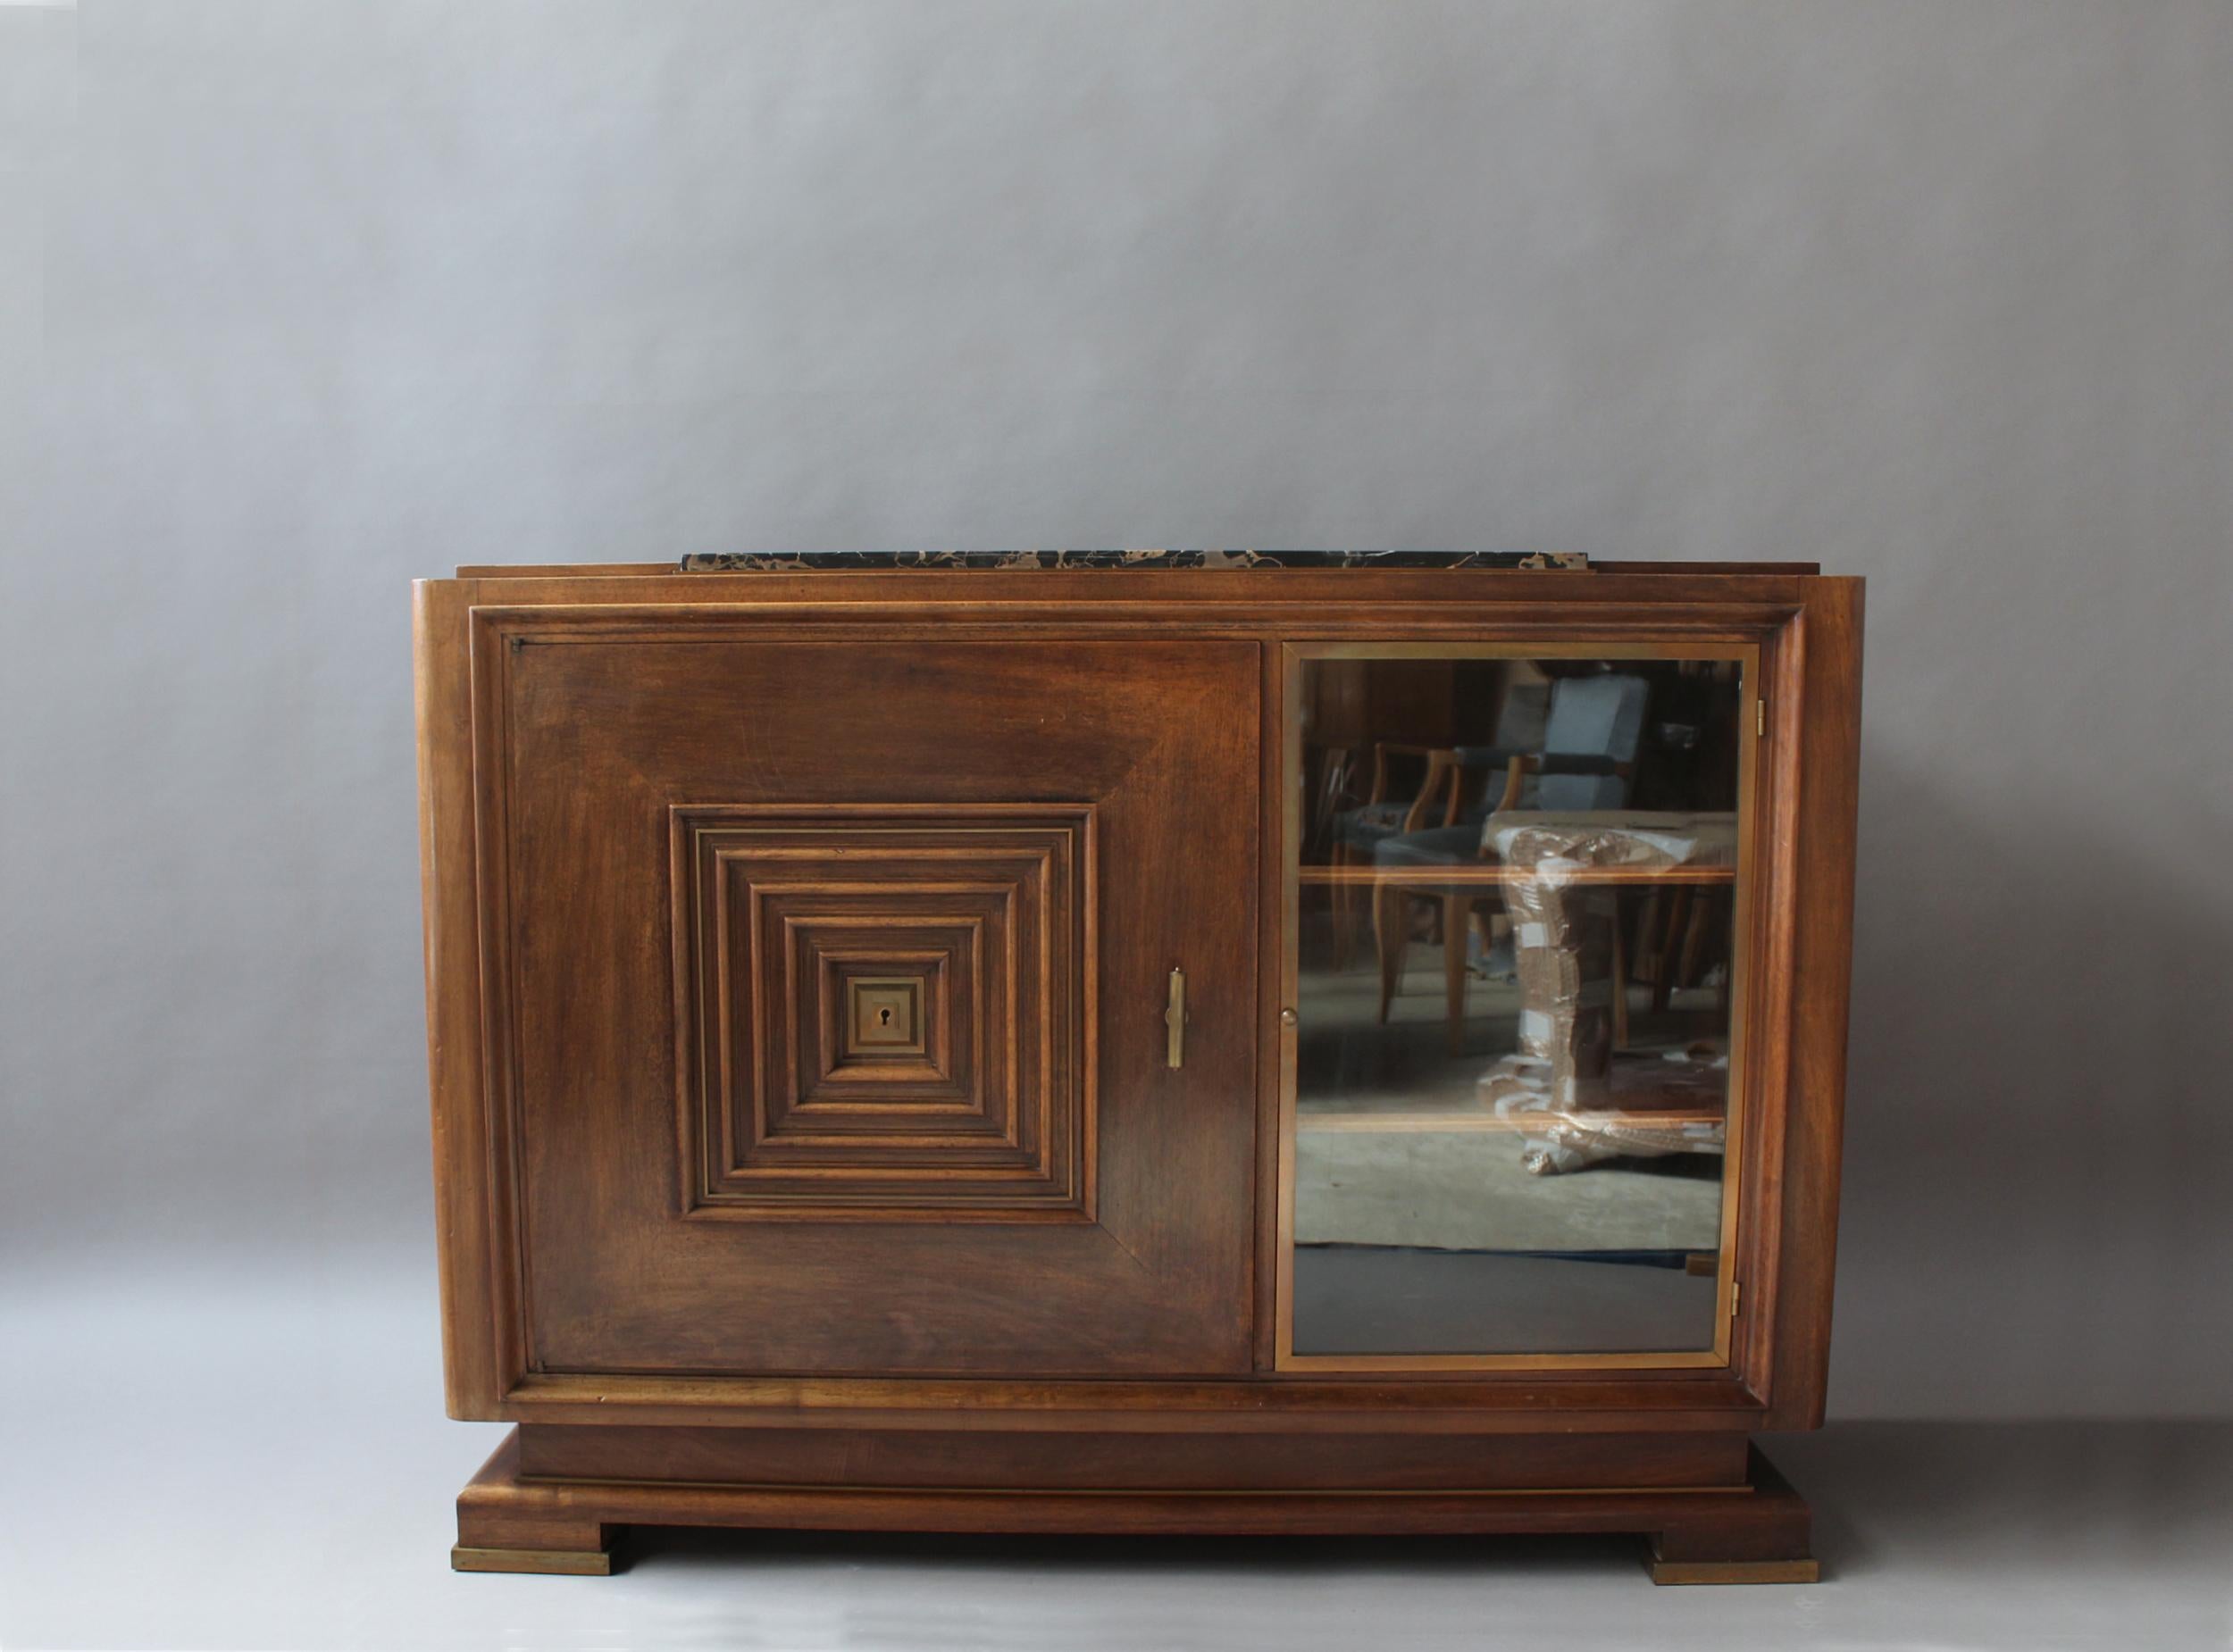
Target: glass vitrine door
1518 905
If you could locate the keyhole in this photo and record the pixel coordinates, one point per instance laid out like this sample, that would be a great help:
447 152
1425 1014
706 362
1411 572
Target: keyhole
884 1018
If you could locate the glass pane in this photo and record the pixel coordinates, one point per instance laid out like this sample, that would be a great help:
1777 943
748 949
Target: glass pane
1515 962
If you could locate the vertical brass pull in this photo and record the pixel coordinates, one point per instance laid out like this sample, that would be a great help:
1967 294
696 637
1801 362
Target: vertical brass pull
1174 1021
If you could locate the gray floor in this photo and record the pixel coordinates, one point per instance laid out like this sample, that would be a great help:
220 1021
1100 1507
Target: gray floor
231 1459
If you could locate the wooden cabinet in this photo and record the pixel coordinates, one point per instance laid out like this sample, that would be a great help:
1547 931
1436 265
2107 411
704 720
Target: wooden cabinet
956 1048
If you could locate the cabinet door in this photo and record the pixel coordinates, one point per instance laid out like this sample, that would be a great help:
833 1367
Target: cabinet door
1517 959
830 981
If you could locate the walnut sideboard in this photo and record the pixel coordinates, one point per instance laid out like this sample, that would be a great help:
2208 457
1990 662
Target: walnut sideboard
1138 1042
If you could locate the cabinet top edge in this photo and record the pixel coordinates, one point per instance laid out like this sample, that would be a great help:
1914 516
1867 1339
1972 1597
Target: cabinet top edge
855 563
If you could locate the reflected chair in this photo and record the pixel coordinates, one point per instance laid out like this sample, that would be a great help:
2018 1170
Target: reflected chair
1592 731
1355 832
1468 785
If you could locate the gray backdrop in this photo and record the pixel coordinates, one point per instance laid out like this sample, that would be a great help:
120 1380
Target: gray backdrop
302 300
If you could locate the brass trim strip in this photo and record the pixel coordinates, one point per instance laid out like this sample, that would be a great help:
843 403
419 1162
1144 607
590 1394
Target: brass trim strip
1667 1572
550 1562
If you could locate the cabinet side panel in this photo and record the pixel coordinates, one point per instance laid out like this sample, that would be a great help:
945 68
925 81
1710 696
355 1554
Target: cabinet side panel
472 1377
1829 756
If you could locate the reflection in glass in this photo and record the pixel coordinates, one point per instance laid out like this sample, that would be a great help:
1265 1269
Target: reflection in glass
1515 954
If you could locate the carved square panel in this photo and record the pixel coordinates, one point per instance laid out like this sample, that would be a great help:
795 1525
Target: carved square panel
885 1011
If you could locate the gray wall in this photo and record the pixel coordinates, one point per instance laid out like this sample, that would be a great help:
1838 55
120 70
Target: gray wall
303 300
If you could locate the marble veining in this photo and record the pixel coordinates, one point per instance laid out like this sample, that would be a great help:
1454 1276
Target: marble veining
740 562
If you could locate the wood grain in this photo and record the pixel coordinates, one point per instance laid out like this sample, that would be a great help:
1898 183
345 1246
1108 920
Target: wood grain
595 741
1049 1458
1822 724
475 1282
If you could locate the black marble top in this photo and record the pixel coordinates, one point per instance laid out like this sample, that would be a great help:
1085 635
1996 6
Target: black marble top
736 562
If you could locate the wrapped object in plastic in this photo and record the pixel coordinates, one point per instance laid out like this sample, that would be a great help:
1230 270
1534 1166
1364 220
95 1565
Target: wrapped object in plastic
1582 1105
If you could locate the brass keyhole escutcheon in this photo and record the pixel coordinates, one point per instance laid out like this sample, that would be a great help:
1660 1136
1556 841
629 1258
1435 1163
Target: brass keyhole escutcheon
883 1016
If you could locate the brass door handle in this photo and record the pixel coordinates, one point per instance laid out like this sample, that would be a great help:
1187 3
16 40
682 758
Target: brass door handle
1174 1021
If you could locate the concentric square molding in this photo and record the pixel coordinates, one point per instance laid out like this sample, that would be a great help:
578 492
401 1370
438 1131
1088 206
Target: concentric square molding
885 1011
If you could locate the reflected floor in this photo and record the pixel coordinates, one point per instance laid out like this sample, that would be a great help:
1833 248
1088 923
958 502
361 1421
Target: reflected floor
1462 1190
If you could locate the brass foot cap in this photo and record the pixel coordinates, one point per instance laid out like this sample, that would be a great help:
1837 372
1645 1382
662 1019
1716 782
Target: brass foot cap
568 1561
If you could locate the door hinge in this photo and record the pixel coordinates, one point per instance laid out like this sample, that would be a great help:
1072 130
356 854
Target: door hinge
1759 717
1737 1295
1174 1021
